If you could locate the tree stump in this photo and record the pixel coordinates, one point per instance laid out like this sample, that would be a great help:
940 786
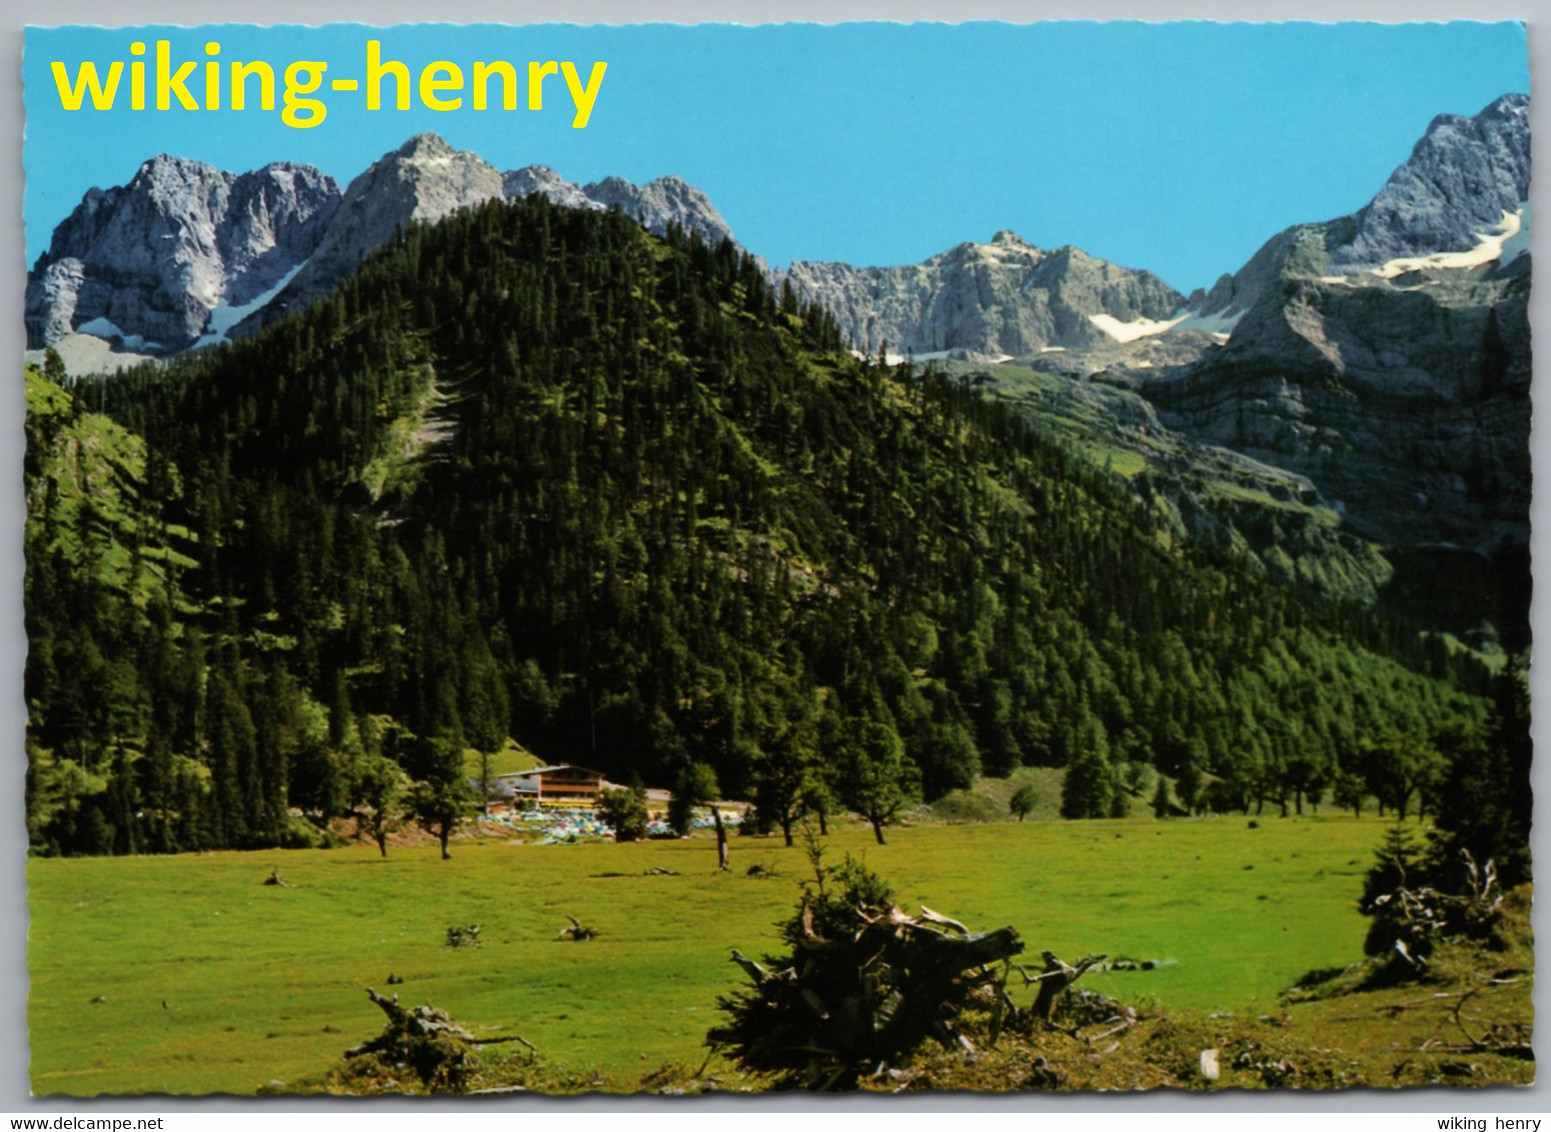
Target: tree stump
424 1038
441 1052
1054 980
722 862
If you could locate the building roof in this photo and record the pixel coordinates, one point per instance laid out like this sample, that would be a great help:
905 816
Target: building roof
537 770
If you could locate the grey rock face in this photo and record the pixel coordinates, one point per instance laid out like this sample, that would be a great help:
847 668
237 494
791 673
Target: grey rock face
654 205
665 201
1127 363
1006 297
545 181
424 179
52 293
156 256
1405 395
1460 179
1406 399
1304 250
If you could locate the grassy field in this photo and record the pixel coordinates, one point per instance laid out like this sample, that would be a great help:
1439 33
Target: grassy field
189 975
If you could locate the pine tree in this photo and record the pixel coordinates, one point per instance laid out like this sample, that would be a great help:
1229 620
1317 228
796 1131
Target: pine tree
1089 788
1486 803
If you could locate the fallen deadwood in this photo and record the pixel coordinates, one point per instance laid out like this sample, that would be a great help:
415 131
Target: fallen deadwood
424 1039
1053 981
405 1023
1124 1022
578 931
464 935
1415 919
533 1050
427 1040
1509 1038
274 879
935 918
846 1004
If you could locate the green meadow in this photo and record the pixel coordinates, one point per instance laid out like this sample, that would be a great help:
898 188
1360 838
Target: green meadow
189 975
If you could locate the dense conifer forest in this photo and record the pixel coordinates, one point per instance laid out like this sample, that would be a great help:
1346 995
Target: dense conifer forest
531 472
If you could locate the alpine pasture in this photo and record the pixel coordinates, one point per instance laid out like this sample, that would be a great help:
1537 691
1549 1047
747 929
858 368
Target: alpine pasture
188 974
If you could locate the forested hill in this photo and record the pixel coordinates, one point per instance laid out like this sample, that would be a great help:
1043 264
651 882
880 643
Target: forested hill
533 472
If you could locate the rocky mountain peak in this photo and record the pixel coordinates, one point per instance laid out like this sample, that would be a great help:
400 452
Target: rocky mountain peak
164 169
1462 178
1004 298
427 177
149 262
1005 247
542 179
654 205
1512 105
664 201
1386 354
612 187
1068 254
425 144
1464 182
424 179
195 254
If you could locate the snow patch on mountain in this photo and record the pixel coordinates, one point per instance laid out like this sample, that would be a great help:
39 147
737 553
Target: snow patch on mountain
1490 246
1131 331
109 331
1220 323
1518 243
224 316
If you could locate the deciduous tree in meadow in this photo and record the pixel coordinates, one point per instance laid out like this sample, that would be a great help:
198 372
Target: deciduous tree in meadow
879 780
441 796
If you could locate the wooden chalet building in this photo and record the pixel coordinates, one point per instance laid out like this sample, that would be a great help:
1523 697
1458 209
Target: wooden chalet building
551 787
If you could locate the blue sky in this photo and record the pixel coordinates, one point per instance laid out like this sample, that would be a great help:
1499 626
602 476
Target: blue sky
1175 147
